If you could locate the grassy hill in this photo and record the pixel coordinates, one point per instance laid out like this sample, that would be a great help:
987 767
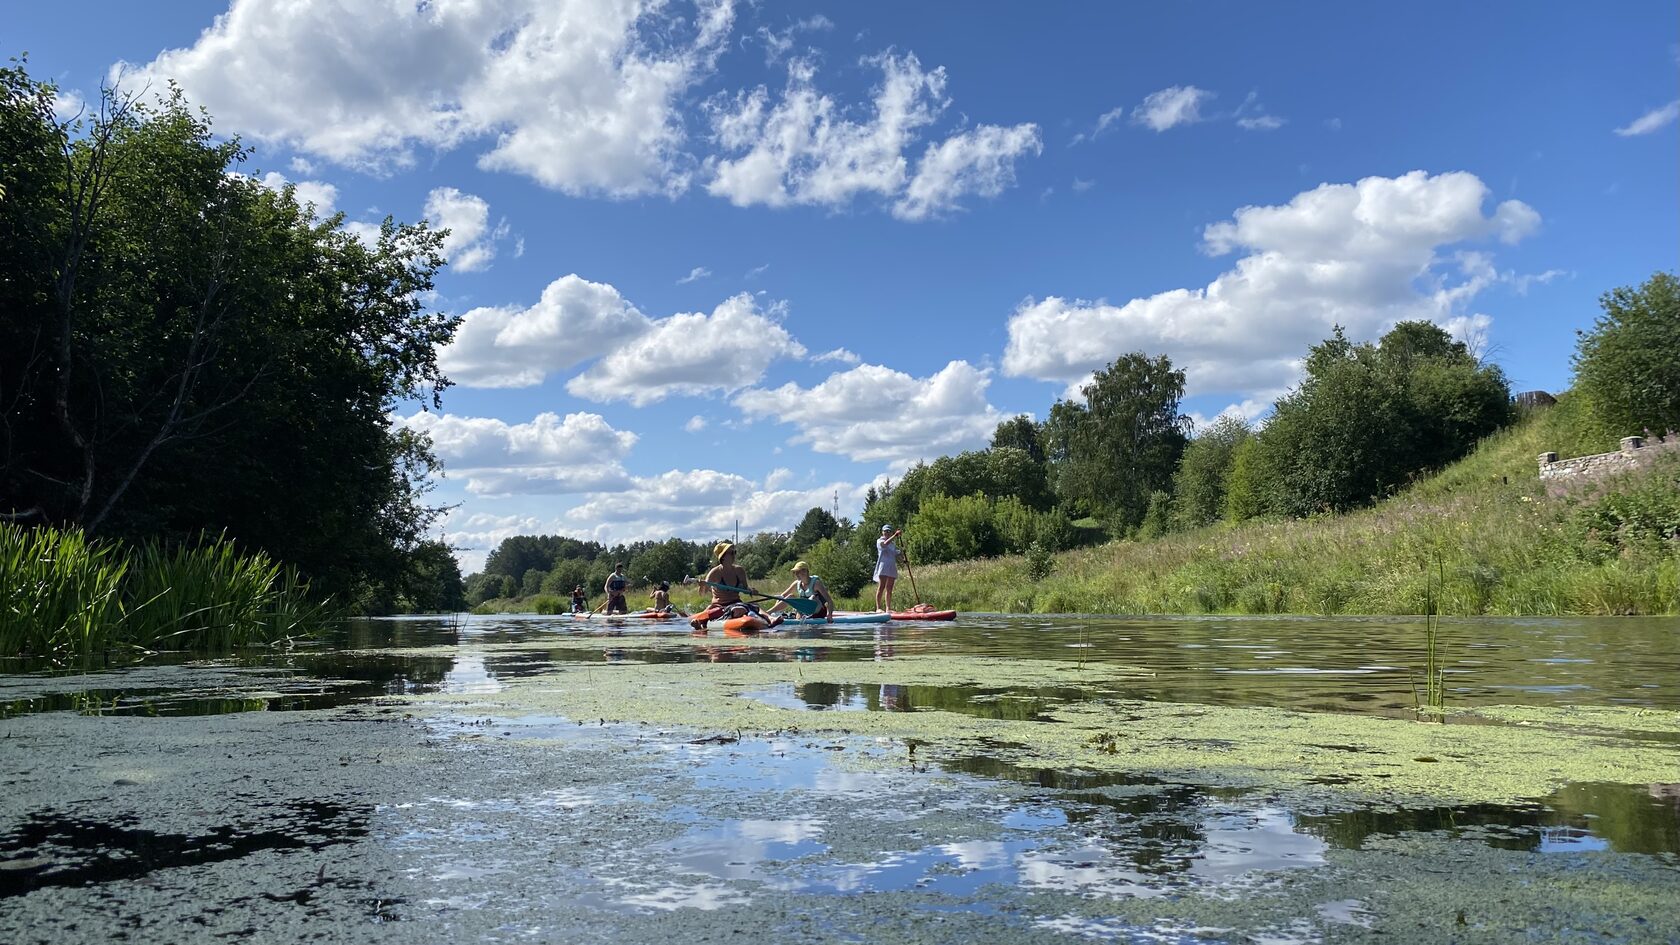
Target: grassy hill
1483 536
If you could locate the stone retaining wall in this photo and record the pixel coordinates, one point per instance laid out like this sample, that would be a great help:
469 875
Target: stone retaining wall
1636 451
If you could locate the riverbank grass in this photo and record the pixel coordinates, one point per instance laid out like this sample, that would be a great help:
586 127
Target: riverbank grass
1484 536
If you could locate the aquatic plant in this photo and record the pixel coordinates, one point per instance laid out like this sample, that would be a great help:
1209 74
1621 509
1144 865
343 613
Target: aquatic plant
63 595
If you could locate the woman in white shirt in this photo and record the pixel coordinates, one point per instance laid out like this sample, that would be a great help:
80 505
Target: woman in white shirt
886 567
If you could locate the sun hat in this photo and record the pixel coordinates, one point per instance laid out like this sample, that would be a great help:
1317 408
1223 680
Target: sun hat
800 566
721 548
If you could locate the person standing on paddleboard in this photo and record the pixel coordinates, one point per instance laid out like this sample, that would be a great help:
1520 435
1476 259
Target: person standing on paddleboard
616 585
810 587
886 567
726 602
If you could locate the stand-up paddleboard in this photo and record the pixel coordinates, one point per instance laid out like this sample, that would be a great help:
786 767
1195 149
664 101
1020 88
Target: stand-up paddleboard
923 612
842 617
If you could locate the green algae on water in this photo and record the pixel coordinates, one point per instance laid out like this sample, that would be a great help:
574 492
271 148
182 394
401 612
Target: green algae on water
1370 758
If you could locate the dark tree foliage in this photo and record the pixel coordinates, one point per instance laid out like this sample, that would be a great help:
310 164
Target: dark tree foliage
184 350
1627 366
1111 453
432 583
1368 418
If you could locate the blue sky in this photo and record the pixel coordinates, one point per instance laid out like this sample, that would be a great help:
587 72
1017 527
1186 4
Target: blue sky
726 261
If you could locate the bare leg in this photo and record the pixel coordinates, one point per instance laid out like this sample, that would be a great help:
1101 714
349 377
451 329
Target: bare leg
886 590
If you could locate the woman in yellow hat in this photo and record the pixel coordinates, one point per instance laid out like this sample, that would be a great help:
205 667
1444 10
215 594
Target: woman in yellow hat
726 602
809 586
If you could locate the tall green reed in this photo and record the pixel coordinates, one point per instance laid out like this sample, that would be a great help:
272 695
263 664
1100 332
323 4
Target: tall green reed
62 595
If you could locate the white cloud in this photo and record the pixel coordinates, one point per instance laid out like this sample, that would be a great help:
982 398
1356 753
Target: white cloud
1260 123
1080 186
701 504
980 161
471 243
757 271
805 149
580 96
575 321
322 195
579 453
777 45
1358 255
1651 120
68 106
873 413
473 535
691 353
302 166
698 272
1171 107
695 424
842 355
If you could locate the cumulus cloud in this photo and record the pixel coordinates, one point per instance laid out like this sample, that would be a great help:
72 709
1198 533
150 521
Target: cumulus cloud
684 354
580 453
580 96
842 355
1361 255
1171 107
806 149
695 424
473 535
701 504
471 243
873 413
319 194
1651 120
980 161
575 321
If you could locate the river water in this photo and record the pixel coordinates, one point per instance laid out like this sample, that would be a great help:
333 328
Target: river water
324 793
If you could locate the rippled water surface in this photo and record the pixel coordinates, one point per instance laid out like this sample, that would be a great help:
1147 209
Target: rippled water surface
613 832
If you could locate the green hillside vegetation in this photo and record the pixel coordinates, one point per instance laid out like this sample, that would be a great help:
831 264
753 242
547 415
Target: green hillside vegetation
1484 536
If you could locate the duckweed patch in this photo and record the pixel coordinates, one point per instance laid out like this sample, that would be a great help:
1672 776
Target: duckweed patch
1386 760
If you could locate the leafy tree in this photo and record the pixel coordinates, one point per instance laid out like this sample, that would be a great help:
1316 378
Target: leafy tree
1020 432
666 561
956 528
817 524
1248 489
186 350
845 562
1627 365
1109 454
1366 418
433 583
1199 484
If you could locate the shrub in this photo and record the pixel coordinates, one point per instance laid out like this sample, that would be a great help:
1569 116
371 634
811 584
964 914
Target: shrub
1040 562
549 604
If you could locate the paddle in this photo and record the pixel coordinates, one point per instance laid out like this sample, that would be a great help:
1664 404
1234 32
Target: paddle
806 608
908 570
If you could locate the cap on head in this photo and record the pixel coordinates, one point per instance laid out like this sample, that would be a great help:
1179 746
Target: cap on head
800 566
885 529
722 548
664 585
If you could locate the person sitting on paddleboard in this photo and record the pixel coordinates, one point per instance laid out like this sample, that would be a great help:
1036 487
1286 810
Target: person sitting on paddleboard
886 567
616 585
727 603
662 600
580 604
810 587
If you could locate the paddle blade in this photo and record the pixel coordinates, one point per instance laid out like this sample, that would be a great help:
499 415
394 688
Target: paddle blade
806 608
